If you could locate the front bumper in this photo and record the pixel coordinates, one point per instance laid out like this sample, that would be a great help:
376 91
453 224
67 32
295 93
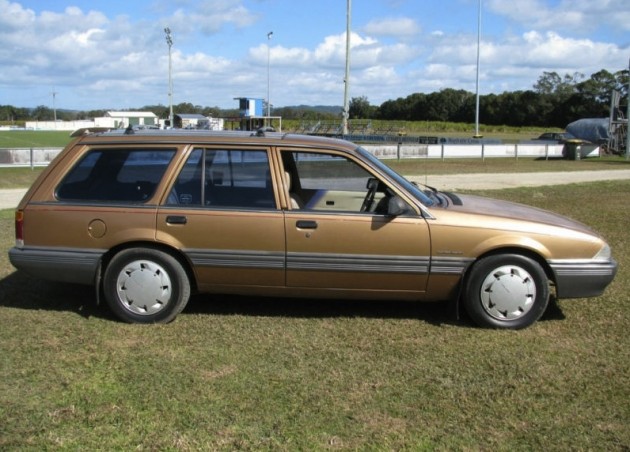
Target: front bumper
583 278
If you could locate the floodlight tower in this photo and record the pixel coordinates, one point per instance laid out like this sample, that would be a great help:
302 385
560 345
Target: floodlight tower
477 135
268 74
54 95
346 104
169 42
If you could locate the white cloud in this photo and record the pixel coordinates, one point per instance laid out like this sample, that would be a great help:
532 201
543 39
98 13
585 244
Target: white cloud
400 27
574 16
519 58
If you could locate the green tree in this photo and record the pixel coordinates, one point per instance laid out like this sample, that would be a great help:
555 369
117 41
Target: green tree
552 83
360 108
599 87
10 114
43 113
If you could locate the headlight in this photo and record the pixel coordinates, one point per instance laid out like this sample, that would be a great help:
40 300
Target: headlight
604 254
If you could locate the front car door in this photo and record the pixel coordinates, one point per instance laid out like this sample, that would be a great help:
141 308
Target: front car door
338 239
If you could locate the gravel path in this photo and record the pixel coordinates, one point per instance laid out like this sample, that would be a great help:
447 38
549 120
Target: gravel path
9 198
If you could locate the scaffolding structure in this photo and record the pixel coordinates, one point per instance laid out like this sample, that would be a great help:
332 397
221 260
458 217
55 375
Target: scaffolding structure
617 126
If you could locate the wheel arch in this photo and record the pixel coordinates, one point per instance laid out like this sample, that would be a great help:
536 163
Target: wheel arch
519 250
173 252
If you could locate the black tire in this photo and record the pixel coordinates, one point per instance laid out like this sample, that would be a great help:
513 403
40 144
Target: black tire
507 291
143 285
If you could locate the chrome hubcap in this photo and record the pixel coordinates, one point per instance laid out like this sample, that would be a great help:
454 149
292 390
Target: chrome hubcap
508 293
144 287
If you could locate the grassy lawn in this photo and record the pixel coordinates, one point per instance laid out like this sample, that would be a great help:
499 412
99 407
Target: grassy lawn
33 138
268 374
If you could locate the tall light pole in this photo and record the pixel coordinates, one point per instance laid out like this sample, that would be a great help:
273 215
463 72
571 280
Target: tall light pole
346 80
268 75
477 135
54 95
169 42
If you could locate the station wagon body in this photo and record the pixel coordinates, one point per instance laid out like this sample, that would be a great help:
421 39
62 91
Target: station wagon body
149 217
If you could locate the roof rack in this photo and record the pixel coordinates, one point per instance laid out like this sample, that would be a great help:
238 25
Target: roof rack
262 133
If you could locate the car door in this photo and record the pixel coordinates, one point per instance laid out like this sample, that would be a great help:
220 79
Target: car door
223 214
336 241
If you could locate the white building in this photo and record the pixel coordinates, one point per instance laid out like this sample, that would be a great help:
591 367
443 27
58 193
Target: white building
123 119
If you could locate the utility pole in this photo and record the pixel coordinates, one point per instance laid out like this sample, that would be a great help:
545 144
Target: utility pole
54 95
269 75
169 42
477 135
346 103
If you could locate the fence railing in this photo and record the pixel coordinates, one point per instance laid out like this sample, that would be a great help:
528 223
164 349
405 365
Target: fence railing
43 156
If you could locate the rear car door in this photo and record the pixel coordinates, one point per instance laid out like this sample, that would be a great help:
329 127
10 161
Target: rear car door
223 214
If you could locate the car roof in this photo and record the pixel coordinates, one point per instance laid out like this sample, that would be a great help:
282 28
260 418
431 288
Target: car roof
179 136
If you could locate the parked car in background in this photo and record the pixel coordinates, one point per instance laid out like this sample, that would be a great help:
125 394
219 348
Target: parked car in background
150 216
574 148
559 137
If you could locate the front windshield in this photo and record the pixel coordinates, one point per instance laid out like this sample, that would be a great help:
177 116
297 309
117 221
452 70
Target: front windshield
407 185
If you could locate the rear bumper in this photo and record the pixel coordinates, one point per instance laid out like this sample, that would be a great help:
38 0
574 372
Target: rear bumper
582 279
64 265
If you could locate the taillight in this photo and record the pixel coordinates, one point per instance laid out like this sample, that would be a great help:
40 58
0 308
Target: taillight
19 228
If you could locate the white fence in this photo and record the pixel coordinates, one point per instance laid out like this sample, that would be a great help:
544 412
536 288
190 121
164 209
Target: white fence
444 151
28 156
43 156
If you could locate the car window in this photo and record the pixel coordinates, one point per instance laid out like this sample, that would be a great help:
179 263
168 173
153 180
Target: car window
224 178
329 182
116 175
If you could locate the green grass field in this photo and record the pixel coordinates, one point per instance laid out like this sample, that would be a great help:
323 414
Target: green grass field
33 138
242 373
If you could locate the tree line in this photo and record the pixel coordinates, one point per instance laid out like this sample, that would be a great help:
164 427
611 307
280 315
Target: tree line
554 101
11 114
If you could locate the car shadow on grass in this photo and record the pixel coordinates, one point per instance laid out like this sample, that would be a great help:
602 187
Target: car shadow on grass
434 313
21 291
439 313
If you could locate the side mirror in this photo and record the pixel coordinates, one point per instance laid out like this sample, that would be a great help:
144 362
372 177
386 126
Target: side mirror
396 207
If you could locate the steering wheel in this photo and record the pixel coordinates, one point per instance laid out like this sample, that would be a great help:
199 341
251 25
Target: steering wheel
372 186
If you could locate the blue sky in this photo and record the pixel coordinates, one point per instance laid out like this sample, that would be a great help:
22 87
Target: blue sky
113 55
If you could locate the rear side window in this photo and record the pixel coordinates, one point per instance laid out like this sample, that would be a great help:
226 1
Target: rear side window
218 178
116 175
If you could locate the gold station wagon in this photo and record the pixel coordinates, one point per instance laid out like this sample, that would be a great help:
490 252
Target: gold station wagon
152 216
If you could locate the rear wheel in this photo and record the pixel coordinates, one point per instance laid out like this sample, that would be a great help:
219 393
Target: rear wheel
506 291
145 286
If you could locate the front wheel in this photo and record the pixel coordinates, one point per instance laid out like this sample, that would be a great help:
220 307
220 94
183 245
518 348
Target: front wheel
145 286
506 291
